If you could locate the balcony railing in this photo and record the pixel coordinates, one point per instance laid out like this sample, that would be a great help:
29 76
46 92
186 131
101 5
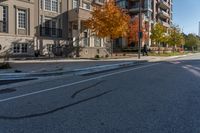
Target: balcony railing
3 26
164 4
100 2
50 32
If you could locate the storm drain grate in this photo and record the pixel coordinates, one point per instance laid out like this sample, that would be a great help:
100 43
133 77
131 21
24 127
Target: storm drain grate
7 90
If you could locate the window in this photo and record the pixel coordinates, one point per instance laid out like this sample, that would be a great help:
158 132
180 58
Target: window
53 24
20 48
41 4
3 19
48 5
75 4
51 5
86 6
24 48
21 18
16 48
55 5
85 39
97 41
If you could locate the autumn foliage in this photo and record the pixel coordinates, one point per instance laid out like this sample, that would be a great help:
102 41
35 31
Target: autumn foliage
134 30
109 21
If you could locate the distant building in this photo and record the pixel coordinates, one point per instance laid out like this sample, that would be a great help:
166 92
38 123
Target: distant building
153 11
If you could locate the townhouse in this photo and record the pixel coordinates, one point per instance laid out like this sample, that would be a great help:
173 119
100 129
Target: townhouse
48 28
16 27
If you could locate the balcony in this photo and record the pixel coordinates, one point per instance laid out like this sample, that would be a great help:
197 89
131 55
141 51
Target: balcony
99 2
163 14
4 26
79 13
163 4
165 23
50 32
134 9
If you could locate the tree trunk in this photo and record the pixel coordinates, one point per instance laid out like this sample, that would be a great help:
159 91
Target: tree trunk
112 41
159 48
173 49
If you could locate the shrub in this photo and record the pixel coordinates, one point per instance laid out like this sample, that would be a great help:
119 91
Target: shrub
5 66
97 56
107 56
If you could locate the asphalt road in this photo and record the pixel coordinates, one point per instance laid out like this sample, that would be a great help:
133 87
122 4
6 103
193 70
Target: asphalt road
152 98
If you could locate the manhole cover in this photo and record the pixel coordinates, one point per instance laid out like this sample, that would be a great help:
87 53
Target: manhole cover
8 90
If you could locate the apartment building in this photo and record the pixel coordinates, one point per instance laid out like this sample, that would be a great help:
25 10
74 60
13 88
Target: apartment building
153 11
48 27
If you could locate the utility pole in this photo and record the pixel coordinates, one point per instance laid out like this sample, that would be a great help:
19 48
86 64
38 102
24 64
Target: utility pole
140 29
79 31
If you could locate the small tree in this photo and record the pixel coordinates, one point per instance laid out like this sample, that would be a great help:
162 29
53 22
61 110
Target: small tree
134 30
109 21
158 34
175 37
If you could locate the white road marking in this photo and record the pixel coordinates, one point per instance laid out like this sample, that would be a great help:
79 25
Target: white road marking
75 83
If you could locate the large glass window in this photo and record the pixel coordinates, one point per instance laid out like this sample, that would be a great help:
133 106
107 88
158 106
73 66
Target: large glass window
21 18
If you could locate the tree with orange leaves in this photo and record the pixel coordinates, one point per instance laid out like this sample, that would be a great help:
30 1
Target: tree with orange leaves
134 30
109 21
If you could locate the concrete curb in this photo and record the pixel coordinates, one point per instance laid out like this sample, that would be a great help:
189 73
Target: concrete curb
83 71
104 68
14 80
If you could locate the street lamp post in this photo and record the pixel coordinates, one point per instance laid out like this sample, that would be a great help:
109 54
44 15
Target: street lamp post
140 30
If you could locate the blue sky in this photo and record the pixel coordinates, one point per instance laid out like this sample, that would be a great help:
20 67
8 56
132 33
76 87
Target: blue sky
186 14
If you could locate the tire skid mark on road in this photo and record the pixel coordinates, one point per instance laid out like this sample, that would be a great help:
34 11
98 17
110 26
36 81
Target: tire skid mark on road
86 88
55 110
